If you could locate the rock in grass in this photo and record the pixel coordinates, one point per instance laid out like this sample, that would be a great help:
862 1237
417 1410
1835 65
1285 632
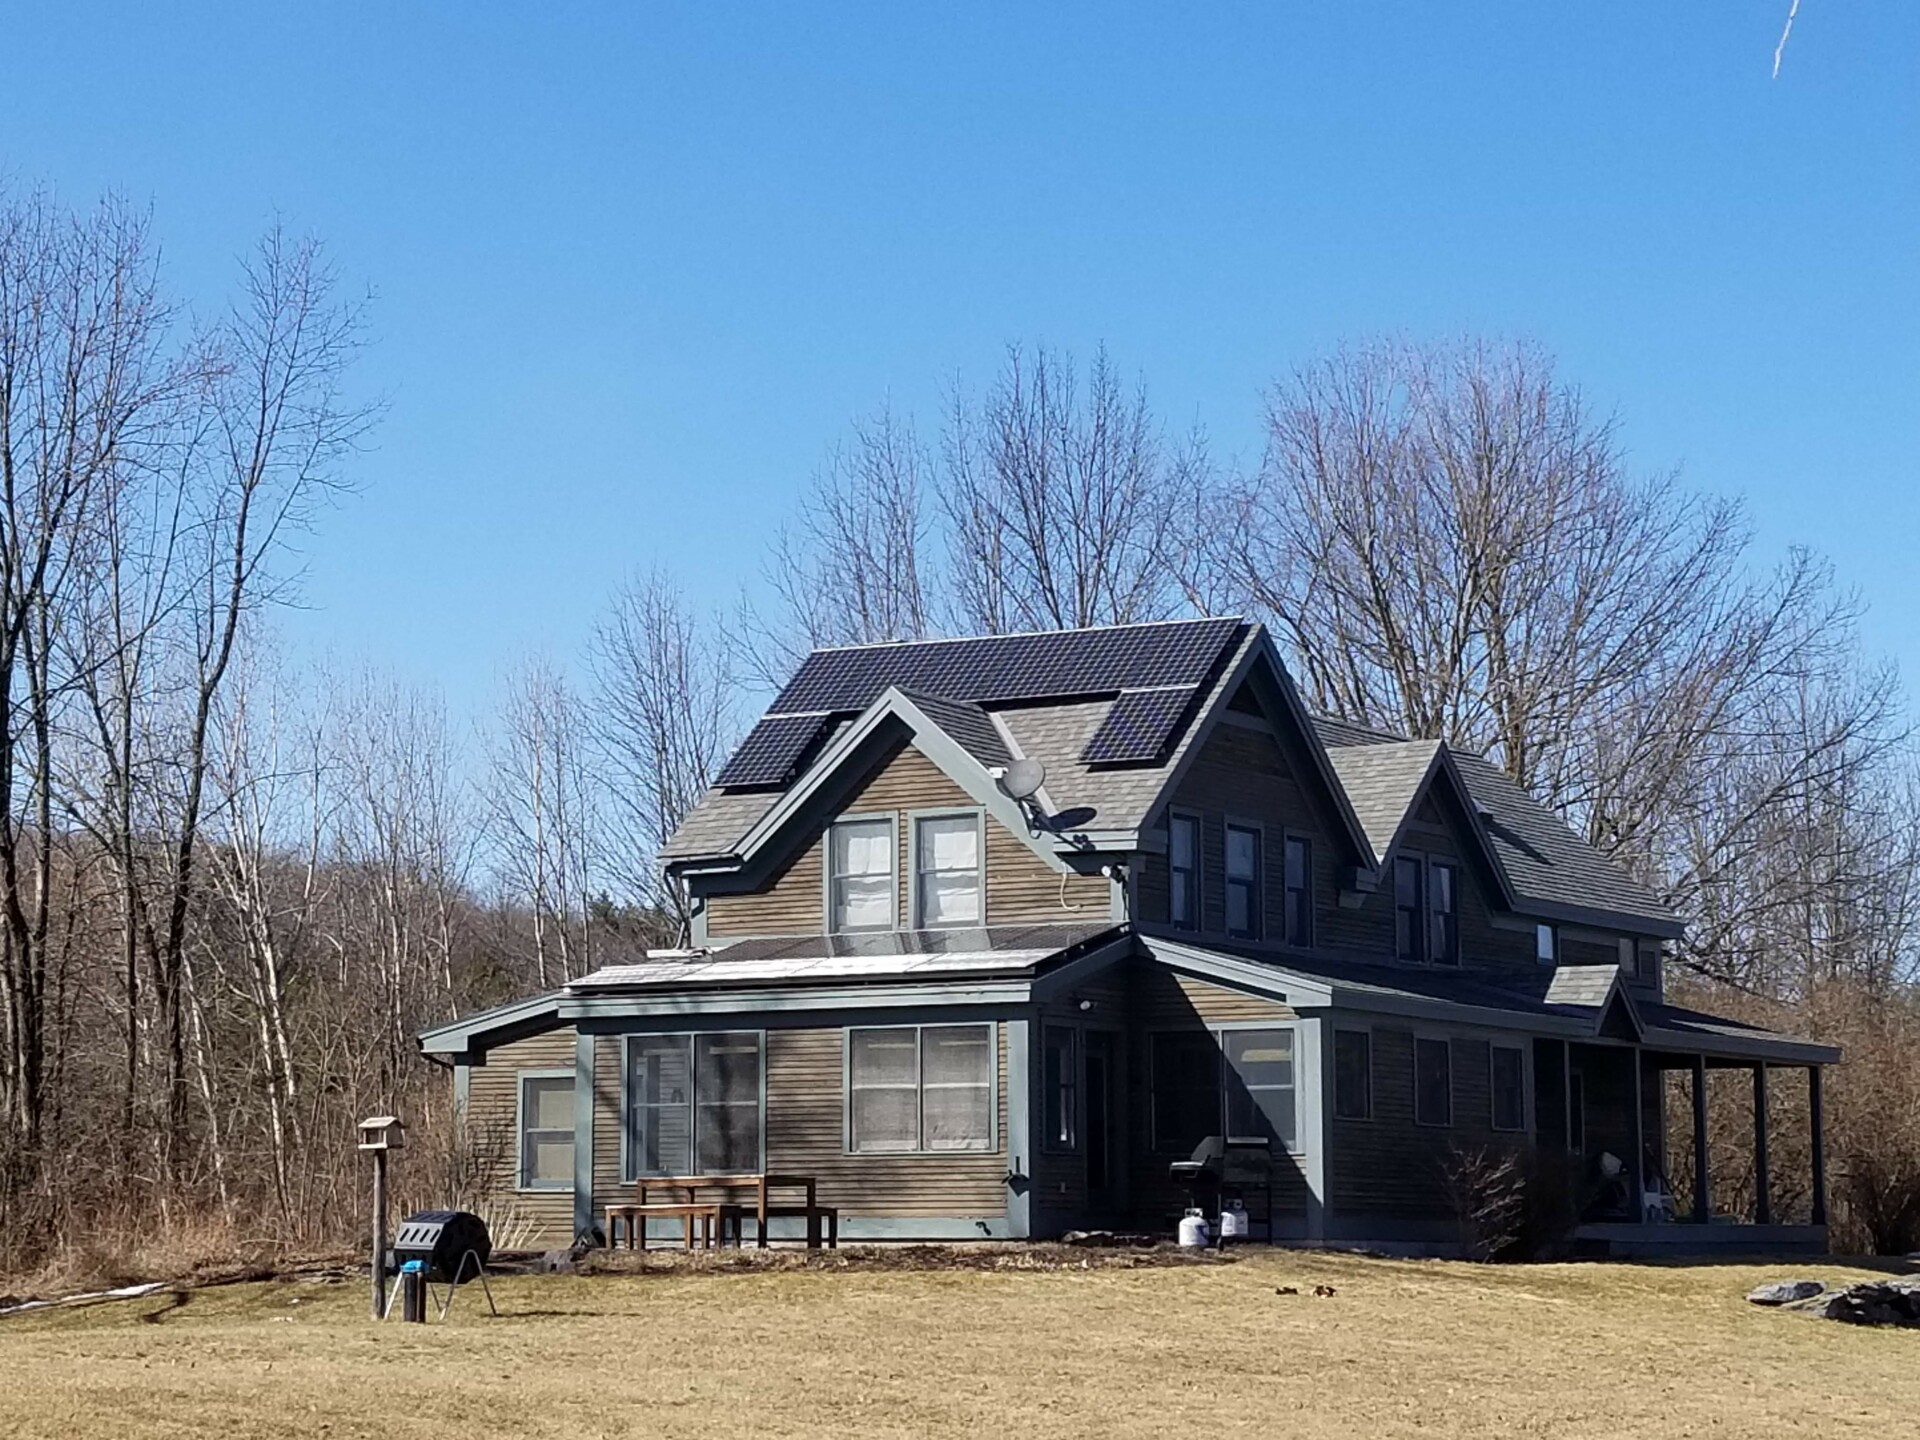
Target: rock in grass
1785 1292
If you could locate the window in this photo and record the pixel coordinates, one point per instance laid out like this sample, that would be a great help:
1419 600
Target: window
946 882
1442 914
1546 944
1259 1084
1299 888
1243 882
1408 919
546 1130
860 875
1648 960
1509 1088
1183 869
1237 1083
1433 1081
694 1103
1186 1089
919 1088
1352 1075
1626 955
1062 1088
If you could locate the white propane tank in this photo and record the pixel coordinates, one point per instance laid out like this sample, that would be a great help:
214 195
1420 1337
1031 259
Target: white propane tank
1233 1222
1193 1231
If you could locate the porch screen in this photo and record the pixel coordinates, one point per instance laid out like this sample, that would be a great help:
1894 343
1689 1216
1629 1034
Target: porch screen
1186 1089
693 1103
917 1088
1259 1083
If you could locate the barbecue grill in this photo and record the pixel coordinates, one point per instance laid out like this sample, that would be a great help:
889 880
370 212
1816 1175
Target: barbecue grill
1223 1168
446 1247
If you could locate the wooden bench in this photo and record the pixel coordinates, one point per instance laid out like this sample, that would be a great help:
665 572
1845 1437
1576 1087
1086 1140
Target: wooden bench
726 1215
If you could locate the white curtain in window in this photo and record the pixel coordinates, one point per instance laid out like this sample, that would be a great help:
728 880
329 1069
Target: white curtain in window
947 849
861 855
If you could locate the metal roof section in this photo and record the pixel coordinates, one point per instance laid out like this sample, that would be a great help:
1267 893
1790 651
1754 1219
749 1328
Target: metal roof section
802 960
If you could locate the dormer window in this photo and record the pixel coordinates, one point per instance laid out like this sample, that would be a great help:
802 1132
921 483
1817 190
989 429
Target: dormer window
1409 912
1443 912
860 885
946 886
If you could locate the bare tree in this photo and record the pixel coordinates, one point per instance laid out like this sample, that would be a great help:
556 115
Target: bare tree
664 715
1065 504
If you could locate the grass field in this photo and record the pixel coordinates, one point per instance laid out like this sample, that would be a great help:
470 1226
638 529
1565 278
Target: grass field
1403 1348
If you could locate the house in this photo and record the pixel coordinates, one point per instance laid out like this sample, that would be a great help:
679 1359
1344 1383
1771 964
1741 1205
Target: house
968 1010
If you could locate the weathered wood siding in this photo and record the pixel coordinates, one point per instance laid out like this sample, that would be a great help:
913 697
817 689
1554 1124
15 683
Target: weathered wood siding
1390 1165
1020 887
493 1107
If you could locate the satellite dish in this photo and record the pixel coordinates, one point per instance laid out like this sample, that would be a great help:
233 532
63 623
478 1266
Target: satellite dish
1023 778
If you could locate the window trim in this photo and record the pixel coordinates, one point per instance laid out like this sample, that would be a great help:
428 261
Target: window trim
628 1174
1288 839
1196 916
1049 1141
1429 1037
1158 1145
520 1182
1366 1033
1525 1052
946 812
1452 867
992 1147
1257 896
892 817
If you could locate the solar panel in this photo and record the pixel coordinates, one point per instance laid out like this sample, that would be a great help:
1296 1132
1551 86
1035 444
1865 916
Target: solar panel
1138 726
997 669
772 751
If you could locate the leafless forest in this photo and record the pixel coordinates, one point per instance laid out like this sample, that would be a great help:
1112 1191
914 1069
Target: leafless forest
232 888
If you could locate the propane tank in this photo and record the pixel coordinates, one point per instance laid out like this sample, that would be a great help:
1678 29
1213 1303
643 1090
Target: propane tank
1193 1231
1234 1224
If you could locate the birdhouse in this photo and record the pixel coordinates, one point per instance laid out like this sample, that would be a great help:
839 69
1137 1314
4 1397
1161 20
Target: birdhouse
382 1132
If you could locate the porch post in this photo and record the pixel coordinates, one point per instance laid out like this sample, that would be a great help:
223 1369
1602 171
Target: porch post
1762 1186
1702 1198
1816 1114
1639 1170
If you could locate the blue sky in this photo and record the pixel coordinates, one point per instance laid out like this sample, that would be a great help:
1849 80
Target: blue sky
635 267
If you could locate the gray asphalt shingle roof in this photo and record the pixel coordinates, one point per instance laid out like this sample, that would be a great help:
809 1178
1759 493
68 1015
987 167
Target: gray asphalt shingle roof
1382 782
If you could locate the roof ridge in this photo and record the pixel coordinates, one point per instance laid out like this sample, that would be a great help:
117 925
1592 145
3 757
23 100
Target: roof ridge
1022 634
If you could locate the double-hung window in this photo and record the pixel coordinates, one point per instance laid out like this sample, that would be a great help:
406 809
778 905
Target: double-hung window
914 1088
546 1130
860 886
1443 914
1259 1085
1243 882
694 1103
1432 1081
946 866
1509 1088
1409 911
1352 1075
1183 871
1299 891
1061 1079
1237 1083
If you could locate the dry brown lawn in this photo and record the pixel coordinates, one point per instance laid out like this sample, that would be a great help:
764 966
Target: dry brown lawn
1403 1348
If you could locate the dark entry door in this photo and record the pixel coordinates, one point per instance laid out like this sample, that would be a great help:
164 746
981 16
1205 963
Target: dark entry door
1102 1163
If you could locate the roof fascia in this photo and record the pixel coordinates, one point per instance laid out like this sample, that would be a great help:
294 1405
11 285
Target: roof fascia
1081 967
1780 1049
1552 910
641 1004
947 754
458 1037
1271 981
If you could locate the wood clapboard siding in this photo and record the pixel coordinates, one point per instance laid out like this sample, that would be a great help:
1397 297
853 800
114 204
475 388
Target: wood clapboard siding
1389 1165
609 1188
493 1100
806 1134
1020 886
1162 1000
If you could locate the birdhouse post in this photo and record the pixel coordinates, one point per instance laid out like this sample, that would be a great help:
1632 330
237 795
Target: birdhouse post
378 1135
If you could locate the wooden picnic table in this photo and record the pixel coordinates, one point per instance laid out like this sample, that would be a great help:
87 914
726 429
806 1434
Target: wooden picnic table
725 1215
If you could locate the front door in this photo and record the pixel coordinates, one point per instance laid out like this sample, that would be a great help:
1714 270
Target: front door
1101 1083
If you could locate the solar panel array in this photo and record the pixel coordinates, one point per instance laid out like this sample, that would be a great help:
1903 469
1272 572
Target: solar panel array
772 751
1139 726
1155 669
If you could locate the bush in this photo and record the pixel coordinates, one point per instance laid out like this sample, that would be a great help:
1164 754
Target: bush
1510 1204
